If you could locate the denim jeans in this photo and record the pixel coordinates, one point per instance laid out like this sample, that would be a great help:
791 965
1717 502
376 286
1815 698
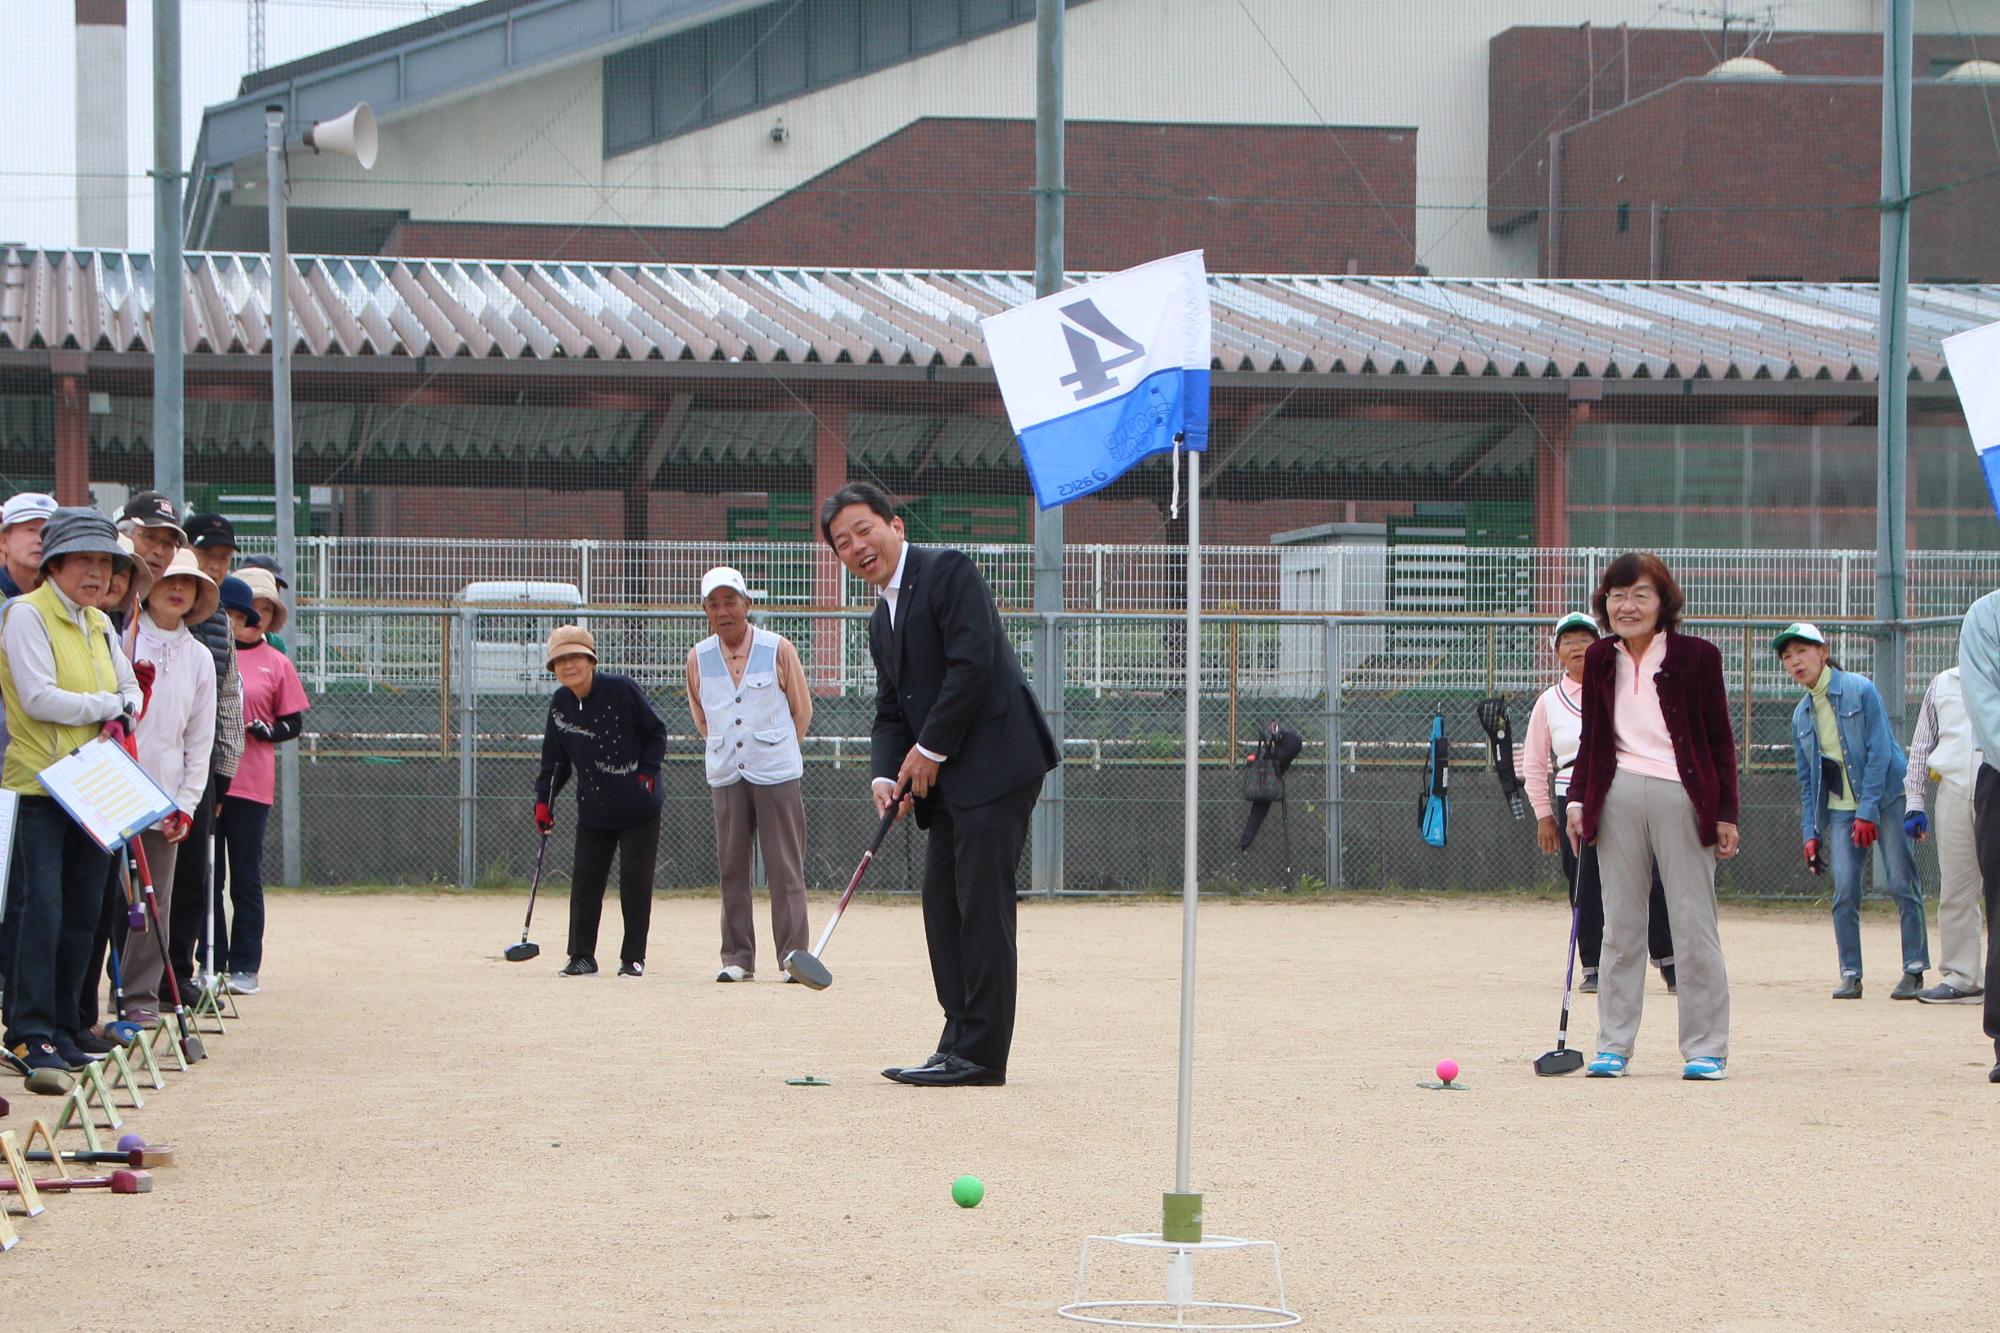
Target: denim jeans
1899 866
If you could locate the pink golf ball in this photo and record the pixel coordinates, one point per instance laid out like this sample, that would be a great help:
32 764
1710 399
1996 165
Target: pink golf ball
1447 1070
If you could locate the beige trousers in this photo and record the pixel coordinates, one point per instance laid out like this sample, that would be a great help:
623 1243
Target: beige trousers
1647 820
775 815
1960 891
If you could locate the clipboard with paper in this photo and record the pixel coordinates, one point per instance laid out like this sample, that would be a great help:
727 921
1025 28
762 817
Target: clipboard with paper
106 792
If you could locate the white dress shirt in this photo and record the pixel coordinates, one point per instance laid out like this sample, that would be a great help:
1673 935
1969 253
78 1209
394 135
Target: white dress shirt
889 592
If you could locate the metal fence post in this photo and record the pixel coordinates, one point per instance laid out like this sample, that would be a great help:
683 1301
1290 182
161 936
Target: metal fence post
1335 684
288 810
1047 831
468 748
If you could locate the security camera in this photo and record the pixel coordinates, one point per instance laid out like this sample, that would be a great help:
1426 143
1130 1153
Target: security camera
779 133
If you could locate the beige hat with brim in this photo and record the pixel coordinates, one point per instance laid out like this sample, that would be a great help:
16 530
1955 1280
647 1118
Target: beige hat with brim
207 596
264 588
568 639
141 582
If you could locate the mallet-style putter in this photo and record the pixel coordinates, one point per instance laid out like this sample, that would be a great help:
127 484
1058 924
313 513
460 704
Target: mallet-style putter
1563 1060
527 948
136 1158
118 1182
806 968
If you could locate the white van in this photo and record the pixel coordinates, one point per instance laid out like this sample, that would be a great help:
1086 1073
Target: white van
507 650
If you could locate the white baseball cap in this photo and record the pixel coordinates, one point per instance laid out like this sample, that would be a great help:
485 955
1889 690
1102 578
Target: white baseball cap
26 508
722 576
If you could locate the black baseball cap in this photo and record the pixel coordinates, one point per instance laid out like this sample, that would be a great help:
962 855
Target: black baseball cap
207 530
266 562
152 509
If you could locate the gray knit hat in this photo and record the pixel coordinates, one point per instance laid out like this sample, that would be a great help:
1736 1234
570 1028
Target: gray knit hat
79 531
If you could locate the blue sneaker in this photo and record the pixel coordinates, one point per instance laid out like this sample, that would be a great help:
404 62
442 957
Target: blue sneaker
1606 1065
1707 1068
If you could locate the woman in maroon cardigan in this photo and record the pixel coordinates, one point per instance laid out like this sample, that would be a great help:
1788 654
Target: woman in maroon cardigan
1655 780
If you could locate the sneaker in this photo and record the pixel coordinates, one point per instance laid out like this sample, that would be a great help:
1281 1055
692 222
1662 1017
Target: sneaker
1909 987
579 965
1849 989
1706 1068
77 1059
1994 1077
242 983
47 1073
1589 986
93 1045
144 1018
1946 993
1667 975
629 968
1607 1065
732 973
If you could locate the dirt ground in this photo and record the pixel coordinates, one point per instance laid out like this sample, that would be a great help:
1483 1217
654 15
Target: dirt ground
407 1132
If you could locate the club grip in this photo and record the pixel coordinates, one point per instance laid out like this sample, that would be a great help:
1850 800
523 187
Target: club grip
888 822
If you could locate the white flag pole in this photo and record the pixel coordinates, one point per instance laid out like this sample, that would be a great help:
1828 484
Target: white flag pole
1190 839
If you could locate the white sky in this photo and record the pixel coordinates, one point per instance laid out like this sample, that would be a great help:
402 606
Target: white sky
38 69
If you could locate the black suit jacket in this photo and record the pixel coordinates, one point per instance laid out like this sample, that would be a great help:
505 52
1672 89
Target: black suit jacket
947 678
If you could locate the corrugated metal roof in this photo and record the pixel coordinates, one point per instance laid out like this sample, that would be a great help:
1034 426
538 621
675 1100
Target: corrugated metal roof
368 307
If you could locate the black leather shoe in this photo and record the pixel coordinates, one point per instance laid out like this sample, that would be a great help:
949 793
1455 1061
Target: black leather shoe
954 1072
935 1059
1909 987
1849 989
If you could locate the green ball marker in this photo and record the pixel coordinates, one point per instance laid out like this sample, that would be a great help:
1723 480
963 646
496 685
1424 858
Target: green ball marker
967 1191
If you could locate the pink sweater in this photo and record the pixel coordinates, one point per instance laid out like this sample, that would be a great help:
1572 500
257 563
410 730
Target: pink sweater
1644 746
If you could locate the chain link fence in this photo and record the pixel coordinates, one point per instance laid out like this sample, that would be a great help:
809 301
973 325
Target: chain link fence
418 760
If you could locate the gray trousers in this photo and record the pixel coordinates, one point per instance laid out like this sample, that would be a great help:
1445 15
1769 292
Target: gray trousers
1647 820
1959 890
143 959
775 815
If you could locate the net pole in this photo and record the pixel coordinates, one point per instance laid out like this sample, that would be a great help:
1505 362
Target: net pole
1184 1113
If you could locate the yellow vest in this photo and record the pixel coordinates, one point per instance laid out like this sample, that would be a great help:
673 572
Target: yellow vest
83 665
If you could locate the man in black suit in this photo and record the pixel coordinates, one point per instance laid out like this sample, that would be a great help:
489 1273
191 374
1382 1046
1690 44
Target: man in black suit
957 727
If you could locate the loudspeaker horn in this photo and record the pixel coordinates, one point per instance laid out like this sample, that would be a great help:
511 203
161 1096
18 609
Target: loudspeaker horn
351 135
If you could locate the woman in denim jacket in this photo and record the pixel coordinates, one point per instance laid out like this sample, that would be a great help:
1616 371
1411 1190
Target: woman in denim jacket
1850 799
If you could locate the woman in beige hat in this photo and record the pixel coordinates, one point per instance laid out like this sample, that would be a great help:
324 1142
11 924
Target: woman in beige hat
602 730
173 736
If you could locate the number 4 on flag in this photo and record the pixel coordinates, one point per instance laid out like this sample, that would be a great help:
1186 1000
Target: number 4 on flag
1085 325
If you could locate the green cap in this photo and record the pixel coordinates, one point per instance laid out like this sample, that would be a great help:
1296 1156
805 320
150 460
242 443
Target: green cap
1575 620
1798 629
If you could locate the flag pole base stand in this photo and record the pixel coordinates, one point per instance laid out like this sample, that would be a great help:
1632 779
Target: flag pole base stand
1179 1309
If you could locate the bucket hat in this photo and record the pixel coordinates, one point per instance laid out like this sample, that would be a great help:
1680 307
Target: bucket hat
236 596
264 586
79 531
568 639
207 597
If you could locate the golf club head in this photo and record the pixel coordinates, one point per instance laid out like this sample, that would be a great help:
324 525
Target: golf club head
522 952
1558 1062
135 918
192 1048
150 1156
124 1033
807 970
131 1182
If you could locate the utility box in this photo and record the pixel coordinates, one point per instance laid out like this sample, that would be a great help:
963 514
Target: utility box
506 651
1333 567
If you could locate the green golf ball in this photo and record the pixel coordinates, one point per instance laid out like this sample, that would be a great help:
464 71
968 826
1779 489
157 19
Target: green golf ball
967 1191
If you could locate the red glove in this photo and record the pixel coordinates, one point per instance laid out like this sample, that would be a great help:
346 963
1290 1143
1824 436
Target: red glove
176 826
649 781
545 818
118 732
1865 833
1814 861
143 672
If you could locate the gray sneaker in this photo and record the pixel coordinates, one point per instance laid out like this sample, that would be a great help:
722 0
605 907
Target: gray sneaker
1909 987
1946 993
1588 986
242 983
1849 989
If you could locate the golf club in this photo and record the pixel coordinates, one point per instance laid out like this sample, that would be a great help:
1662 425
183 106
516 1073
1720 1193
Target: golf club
118 1182
191 1046
527 948
120 1030
806 968
1562 1060
136 1158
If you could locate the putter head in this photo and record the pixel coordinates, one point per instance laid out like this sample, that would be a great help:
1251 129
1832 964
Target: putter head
131 1182
135 918
522 952
139 1158
807 970
1558 1062
192 1048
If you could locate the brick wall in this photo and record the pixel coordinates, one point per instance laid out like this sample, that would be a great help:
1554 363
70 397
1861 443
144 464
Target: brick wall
1541 80
1773 179
958 193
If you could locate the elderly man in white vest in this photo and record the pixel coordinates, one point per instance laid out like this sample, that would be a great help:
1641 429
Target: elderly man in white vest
747 692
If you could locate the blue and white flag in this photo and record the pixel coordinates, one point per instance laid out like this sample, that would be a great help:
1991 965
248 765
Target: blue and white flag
1097 377
1974 358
